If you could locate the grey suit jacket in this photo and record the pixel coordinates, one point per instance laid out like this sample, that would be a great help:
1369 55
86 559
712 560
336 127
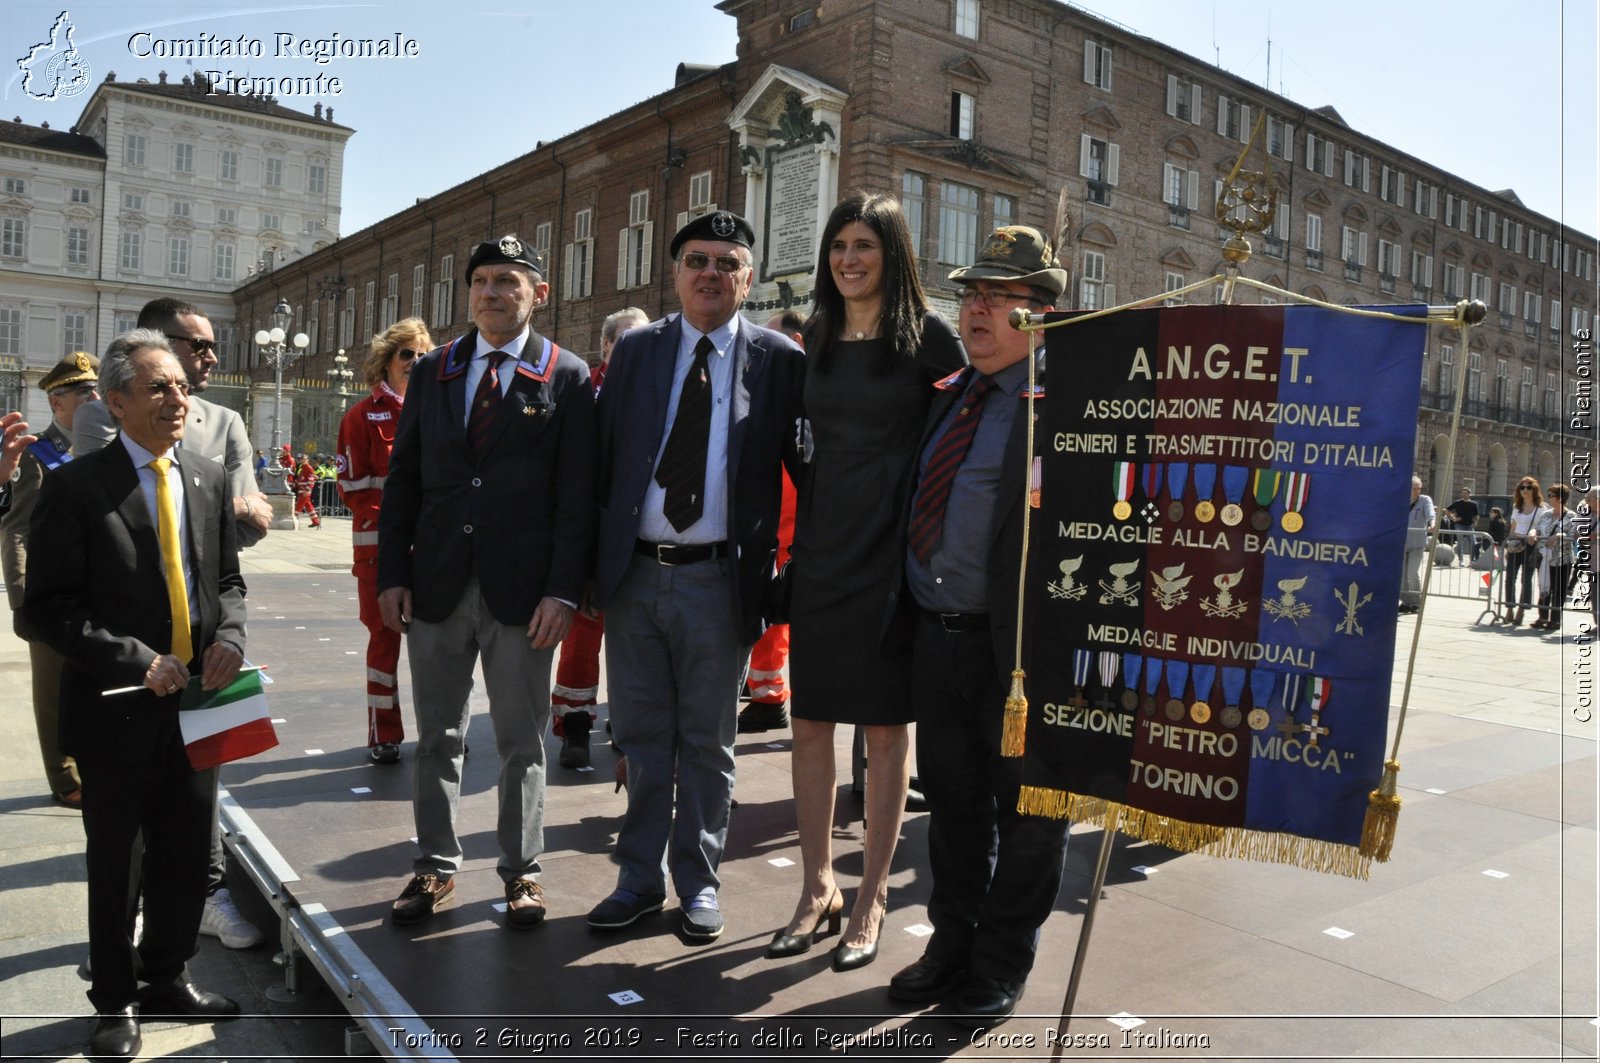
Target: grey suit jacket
213 431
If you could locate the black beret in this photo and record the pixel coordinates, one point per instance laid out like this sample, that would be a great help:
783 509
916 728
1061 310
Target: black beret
508 249
721 225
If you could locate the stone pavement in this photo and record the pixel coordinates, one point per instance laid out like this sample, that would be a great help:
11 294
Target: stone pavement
1477 940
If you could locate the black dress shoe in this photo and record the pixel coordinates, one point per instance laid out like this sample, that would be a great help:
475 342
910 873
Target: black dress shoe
116 1035
185 999
982 1003
927 979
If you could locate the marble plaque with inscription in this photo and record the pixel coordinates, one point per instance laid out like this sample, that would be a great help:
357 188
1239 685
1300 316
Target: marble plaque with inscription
793 190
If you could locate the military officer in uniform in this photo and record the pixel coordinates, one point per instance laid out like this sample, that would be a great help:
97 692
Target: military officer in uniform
69 384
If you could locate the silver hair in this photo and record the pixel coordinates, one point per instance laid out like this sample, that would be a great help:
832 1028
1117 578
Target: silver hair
116 368
626 318
1416 481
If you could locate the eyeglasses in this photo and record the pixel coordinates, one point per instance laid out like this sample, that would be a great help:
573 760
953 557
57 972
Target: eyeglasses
405 354
1526 487
160 388
197 344
993 298
699 260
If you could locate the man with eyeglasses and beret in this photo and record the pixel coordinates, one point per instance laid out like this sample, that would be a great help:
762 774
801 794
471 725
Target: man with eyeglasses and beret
697 417
484 539
69 384
995 872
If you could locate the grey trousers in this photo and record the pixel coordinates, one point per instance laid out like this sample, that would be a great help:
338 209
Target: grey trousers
517 678
673 667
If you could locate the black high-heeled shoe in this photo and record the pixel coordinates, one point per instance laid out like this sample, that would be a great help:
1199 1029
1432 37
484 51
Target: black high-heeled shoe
849 957
794 944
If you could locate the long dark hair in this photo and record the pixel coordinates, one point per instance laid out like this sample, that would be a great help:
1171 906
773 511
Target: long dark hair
904 303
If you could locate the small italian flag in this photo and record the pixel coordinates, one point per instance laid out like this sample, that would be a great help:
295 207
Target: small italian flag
224 725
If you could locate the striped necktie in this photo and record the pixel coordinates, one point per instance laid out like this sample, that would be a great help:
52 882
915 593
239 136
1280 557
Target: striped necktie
485 404
933 494
172 561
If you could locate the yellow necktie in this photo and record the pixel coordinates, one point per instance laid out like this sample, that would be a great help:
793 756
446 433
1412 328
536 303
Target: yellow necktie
172 561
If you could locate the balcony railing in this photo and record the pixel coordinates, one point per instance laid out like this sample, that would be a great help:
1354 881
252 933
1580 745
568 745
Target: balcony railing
1385 280
1314 259
1352 271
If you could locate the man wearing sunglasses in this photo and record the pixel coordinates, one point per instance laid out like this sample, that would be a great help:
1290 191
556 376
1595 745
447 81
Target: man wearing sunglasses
213 431
217 433
696 417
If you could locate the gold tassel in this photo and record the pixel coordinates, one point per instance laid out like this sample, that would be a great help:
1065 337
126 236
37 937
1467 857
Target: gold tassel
1014 734
1039 801
1383 816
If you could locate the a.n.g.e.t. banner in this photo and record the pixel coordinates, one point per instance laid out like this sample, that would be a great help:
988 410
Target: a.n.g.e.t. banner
1214 571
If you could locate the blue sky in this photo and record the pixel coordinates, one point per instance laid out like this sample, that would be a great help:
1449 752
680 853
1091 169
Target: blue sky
1504 96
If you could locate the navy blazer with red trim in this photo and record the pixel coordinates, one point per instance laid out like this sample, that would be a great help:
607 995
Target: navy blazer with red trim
519 516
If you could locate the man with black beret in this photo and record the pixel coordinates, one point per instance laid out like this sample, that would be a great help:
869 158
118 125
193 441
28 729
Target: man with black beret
483 551
696 418
69 384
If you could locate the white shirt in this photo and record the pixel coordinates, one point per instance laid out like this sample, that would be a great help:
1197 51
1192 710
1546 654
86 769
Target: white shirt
480 365
147 487
712 527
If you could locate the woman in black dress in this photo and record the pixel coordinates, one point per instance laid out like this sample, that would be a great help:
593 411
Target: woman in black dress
874 350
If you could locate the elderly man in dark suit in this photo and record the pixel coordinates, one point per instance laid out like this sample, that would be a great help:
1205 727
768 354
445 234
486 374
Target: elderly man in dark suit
218 433
133 577
995 872
483 550
697 413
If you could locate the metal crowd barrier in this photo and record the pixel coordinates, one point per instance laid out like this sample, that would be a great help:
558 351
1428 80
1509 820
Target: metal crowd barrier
1467 564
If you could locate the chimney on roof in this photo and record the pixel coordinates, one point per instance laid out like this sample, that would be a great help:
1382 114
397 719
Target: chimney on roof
316 112
163 76
330 114
111 75
44 125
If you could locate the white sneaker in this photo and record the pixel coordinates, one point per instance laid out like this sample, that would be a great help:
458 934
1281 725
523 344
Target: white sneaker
222 920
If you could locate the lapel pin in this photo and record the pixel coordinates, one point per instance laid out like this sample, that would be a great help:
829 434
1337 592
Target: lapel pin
197 481
528 411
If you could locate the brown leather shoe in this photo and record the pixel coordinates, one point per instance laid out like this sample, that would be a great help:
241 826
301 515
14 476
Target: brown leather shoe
524 903
423 895
72 799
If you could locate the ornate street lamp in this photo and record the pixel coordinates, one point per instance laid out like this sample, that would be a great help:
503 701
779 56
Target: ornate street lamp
279 354
339 377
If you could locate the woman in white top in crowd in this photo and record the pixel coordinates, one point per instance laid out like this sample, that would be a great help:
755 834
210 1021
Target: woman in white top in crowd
1521 540
1557 528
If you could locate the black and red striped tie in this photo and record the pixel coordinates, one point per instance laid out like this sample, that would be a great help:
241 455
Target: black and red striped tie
485 404
933 494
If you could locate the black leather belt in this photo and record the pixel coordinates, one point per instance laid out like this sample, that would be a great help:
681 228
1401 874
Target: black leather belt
959 622
672 554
